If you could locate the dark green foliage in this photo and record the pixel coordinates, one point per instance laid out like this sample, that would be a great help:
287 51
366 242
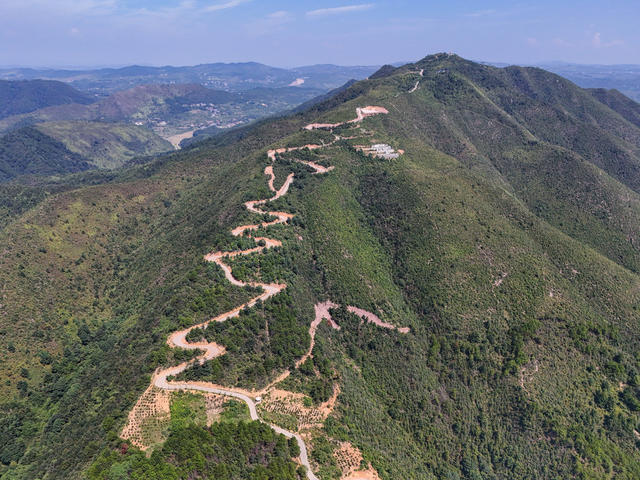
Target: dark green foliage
621 104
322 454
226 451
29 151
28 95
232 449
260 342
13 433
384 71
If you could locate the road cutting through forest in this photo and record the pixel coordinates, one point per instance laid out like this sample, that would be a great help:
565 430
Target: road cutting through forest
415 87
162 378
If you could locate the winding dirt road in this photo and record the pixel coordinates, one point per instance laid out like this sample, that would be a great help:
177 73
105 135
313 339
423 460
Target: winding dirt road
415 87
211 349
361 114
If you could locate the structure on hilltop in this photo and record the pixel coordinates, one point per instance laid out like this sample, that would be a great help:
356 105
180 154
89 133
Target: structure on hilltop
380 150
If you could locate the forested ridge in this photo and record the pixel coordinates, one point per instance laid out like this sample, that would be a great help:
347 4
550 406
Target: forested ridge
23 96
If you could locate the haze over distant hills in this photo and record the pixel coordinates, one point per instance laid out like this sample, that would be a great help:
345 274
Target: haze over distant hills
224 76
625 78
171 109
243 76
175 102
27 96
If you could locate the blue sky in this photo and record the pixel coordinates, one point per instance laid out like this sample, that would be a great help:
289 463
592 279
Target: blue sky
290 33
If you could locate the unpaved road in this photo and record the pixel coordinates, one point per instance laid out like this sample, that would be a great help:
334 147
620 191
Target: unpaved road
415 87
361 114
210 349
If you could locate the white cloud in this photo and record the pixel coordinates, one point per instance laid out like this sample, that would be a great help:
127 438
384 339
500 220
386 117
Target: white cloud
273 22
223 6
321 12
185 11
597 42
279 14
165 13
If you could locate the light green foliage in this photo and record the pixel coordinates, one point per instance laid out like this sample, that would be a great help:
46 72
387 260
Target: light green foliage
106 145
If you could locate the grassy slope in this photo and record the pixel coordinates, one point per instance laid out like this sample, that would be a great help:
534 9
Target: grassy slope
106 145
483 194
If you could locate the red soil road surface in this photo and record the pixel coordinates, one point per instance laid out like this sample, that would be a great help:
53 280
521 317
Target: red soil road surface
211 349
372 318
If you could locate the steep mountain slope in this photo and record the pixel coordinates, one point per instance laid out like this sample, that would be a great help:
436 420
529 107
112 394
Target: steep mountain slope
106 145
506 245
54 148
626 107
29 151
625 78
24 96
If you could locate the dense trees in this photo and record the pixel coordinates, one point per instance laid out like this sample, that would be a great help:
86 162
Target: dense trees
225 451
261 342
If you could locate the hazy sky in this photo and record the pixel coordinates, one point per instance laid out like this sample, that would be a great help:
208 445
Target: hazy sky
302 32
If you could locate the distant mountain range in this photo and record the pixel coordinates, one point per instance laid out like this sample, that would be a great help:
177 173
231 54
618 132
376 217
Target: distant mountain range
27 96
168 109
244 76
625 78
224 76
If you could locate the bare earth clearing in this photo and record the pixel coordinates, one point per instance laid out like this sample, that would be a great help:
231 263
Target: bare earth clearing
155 401
176 139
